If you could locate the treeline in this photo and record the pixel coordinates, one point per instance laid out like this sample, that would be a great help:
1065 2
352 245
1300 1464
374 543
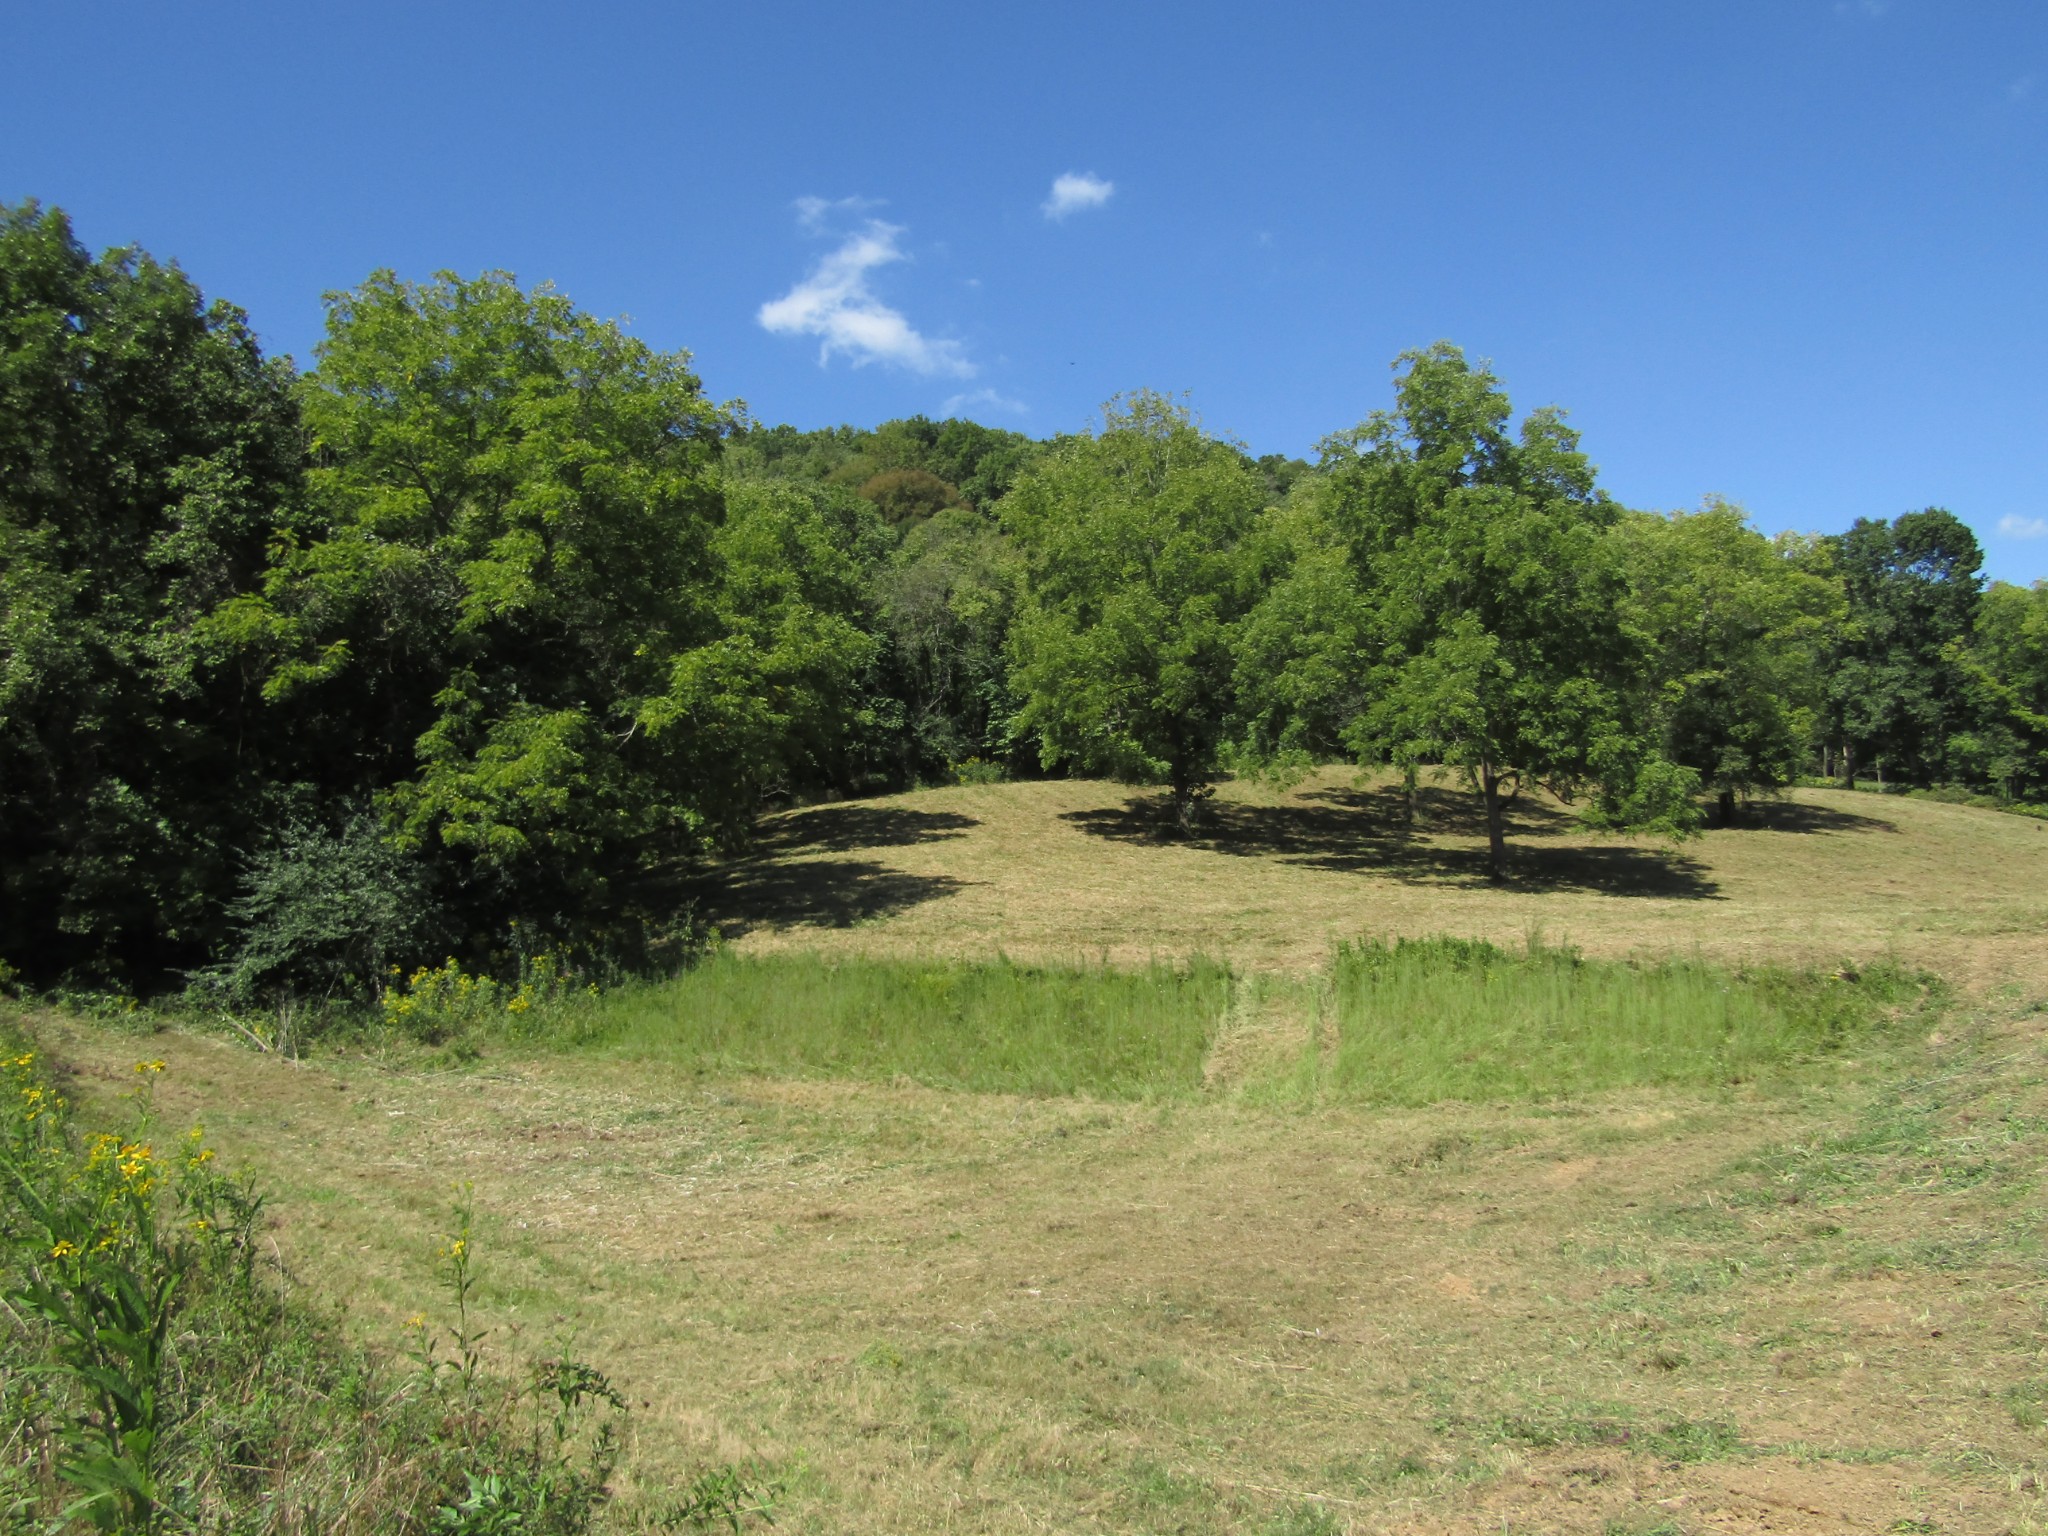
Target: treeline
479 634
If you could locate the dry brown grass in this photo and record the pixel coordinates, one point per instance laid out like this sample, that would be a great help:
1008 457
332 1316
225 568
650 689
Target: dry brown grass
1083 868
1814 1306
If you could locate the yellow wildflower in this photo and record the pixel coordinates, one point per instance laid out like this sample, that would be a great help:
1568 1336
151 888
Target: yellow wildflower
149 1066
65 1250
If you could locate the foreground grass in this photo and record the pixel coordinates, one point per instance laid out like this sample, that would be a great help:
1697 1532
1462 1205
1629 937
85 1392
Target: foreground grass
984 1026
942 1311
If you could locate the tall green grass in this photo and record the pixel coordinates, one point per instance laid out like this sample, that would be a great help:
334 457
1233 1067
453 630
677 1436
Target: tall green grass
980 1025
1424 1020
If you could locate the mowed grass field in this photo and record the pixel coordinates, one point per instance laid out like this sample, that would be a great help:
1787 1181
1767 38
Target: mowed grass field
1281 1240
1071 870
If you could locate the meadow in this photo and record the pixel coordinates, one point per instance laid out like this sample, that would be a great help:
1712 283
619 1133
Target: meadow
1018 1167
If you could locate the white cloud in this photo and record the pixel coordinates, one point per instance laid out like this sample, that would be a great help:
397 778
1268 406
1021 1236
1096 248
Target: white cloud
836 304
955 404
1075 191
814 212
2023 527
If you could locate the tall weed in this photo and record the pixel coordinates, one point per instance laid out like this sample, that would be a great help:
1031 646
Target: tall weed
987 1025
1423 1020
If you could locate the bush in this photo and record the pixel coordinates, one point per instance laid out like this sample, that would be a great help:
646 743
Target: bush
324 913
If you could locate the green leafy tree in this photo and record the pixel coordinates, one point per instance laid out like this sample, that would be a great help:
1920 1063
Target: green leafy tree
1135 583
2006 667
1494 640
948 598
1732 628
1895 687
148 457
906 497
529 626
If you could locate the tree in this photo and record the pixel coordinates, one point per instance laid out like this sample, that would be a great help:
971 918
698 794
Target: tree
906 497
148 456
1895 688
1134 585
529 629
1495 639
947 599
1732 629
2006 672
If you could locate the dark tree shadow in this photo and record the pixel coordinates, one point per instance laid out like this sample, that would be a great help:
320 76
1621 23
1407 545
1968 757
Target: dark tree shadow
1798 816
1365 831
821 893
844 828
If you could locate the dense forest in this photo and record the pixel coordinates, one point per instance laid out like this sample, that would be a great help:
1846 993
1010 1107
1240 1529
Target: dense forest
482 632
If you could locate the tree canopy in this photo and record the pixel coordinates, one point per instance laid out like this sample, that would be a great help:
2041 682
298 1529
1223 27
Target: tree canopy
1135 582
149 457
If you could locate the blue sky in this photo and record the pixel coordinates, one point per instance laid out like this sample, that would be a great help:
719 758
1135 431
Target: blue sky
1793 252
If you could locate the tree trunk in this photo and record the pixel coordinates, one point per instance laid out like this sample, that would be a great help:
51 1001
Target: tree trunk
1727 807
1496 833
1848 766
1187 800
1408 789
1880 775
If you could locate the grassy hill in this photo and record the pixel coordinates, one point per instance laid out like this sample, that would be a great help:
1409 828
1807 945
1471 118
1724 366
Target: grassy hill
1079 869
1800 1297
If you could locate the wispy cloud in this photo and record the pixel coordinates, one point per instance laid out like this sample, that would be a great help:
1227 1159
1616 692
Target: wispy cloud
955 404
1075 191
836 305
2015 527
813 213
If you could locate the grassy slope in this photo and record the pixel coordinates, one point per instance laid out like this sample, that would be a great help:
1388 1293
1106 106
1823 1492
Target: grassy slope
1814 1305
1076 869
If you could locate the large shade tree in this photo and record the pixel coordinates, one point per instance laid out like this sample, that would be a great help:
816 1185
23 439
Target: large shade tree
1471 600
532 629
1135 583
1896 686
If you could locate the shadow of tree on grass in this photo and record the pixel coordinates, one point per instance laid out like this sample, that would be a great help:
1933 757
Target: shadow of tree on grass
1365 831
1800 816
813 893
844 828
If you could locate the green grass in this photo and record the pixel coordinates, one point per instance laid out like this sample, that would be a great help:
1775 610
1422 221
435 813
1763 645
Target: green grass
1421 1021
984 1026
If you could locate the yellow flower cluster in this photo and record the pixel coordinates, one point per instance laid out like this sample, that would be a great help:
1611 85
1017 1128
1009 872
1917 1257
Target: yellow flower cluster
33 1101
132 1160
449 995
